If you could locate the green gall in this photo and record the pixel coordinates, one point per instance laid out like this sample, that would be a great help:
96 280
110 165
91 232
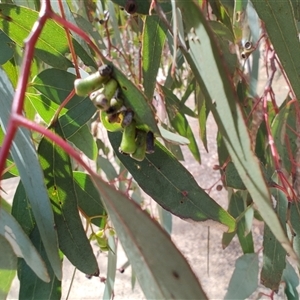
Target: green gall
140 151
128 144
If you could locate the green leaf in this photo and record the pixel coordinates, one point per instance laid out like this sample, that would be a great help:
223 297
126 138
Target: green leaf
18 21
107 167
291 280
294 218
8 267
172 137
21 245
88 197
84 141
6 48
136 100
111 269
179 122
61 190
211 73
279 22
273 253
154 35
244 280
55 85
236 208
160 268
24 155
163 178
31 287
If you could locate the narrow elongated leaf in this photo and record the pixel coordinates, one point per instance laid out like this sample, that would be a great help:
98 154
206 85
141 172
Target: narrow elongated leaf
154 35
291 280
162 177
244 280
180 123
17 22
274 254
236 208
31 287
88 197
160 267
24 155
8 267
206 62
280 24
60 184
21 245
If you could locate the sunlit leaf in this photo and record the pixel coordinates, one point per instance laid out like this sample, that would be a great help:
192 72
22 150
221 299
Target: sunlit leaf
24 155
60 185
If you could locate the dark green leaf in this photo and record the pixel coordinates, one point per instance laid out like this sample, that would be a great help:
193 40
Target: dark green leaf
162 177
61 190
160 268
31 287
154 35
24 155
6 48
179 122
244 280
84 141
137 101
273 253
88 197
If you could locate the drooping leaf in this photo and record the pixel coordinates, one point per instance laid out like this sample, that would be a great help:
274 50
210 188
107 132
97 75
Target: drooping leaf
21 245
236 208
180 123
210 71
273 254
291 280
8 267
154 34
89 200
24 155
61 190
279 22
31 287
162 177
159 266
244 280
17 22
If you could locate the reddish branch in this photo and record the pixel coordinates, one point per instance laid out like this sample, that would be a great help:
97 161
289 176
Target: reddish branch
16 118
